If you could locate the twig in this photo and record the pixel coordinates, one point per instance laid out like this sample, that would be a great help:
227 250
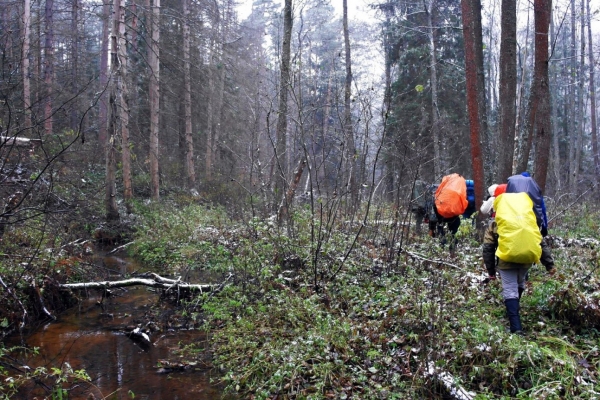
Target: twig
119 248
571 204
217 289
423 258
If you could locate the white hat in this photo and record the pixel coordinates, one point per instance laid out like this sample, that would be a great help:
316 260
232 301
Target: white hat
492 189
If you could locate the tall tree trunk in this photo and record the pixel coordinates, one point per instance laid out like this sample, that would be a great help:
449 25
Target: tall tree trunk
572 112
25 63
74 117
348 131
110 187
220 93
508 87
36 68
543 133
103 107
124 107
49 65
284 85
154 100
211 76
523 139
476 106
555 141
187 100
435 118
592 84
580 110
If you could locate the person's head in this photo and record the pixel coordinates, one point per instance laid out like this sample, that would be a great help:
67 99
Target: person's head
526 174
492 189
500 189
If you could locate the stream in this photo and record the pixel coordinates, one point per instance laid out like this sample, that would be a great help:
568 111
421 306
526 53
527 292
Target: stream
92 337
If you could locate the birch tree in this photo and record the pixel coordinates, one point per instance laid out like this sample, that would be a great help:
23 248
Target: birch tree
348 131
284 84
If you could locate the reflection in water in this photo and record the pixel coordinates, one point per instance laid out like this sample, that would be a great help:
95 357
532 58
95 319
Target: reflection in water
91 337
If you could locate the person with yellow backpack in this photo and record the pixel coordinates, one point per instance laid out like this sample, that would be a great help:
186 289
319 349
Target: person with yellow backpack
511 245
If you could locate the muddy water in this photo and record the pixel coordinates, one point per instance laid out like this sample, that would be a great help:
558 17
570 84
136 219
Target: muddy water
93 338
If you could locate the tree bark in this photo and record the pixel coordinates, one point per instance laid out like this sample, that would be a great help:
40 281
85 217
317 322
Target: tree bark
556 162
592 84
580 110
49 65
124 107
25 63
154 100
187 100
110 194
348 130
103 106
435 119
220 93
208 162
543 125
74 117
523 140
508 87
284 85
572 112
476 106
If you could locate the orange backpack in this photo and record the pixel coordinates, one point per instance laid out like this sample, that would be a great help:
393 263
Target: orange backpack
451 196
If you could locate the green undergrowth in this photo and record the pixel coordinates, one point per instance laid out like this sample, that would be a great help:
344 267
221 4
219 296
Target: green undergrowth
310 313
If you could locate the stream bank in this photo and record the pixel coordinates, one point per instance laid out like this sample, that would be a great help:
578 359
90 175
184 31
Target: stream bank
96 336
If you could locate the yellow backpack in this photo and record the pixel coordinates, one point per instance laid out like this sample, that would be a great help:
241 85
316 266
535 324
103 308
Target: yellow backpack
519 238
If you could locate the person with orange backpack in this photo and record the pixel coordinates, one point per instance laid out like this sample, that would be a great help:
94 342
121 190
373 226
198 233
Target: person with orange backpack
511 245
450 202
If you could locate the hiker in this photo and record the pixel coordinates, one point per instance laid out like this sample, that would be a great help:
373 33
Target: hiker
422 202
488 204
494 191
510 247
450 203
525 183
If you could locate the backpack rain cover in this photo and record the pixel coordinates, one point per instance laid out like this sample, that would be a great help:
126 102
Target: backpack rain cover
451 196
519 238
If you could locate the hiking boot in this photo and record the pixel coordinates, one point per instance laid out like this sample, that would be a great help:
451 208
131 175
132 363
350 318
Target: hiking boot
512 312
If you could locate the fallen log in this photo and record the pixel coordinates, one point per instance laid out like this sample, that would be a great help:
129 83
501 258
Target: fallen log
155 281
449 383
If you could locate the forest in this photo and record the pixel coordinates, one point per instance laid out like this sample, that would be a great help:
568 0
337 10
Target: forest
264 165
